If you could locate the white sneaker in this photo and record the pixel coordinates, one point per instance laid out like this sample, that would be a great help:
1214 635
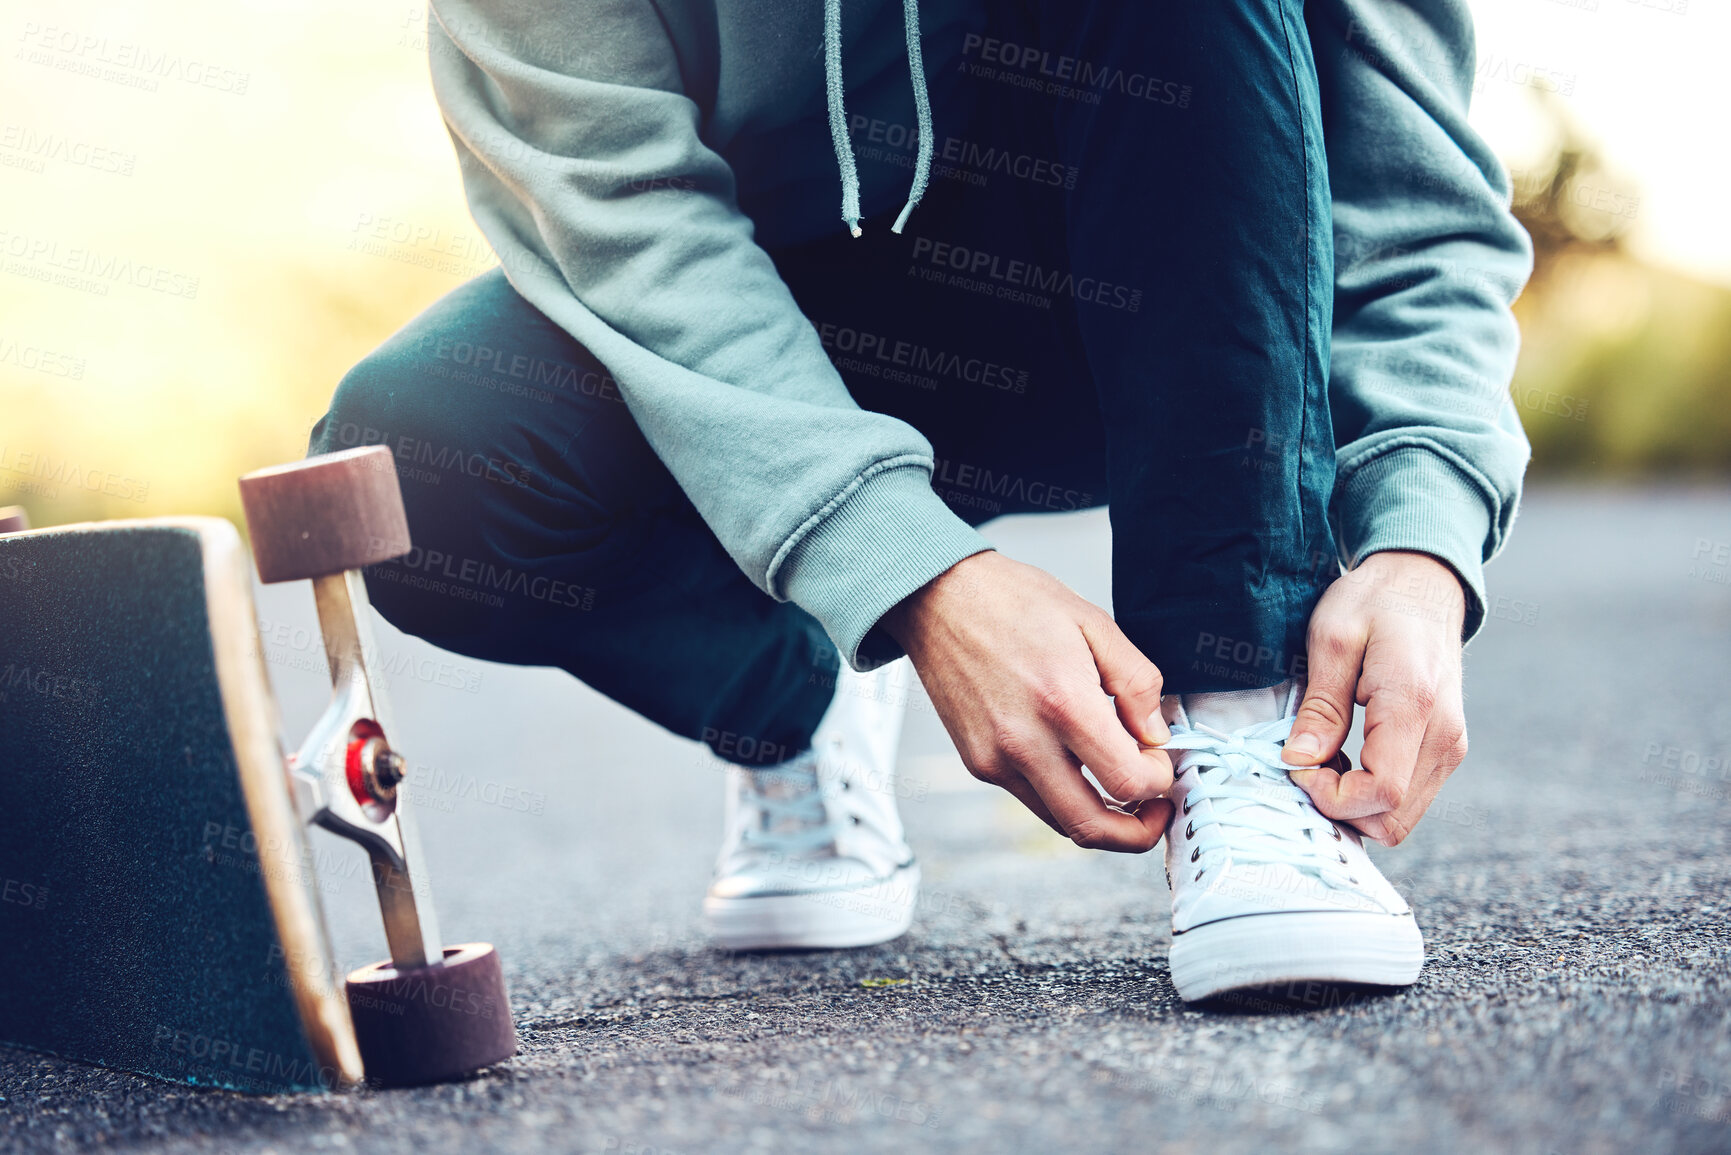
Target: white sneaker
813 854
1266 890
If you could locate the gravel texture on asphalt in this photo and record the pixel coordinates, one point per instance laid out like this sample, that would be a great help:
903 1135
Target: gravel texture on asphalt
1572 882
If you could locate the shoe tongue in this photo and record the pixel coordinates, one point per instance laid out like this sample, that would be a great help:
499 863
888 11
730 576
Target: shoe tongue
1235 709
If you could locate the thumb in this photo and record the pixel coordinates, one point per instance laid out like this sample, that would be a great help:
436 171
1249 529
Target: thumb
1325 715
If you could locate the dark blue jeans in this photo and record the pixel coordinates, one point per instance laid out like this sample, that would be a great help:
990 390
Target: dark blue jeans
1118 291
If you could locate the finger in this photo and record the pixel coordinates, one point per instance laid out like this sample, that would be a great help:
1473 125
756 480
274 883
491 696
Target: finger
1395 722
1084 720
1081 814
1444 748
1155 815
1025 793
1134 682
1336 659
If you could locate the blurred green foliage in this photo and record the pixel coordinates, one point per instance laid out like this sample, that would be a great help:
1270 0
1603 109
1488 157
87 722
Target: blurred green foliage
1625 368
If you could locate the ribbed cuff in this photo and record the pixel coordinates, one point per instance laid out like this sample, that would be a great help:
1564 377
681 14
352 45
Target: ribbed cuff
1414 498
884 540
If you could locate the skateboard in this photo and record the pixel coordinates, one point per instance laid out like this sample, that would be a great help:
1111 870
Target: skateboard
159 902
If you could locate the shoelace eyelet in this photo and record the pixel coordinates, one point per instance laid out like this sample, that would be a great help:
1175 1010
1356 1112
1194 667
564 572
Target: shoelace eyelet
1246 782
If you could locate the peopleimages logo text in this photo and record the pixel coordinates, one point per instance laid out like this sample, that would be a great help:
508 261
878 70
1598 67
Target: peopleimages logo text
1063 72
978 263
911 355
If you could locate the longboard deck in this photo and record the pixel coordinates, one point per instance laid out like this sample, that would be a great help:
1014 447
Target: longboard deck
157 910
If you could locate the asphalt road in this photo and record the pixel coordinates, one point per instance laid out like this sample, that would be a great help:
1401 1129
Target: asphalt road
1573 885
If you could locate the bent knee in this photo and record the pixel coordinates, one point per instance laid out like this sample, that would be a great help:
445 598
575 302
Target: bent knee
466 376
397 398
371 398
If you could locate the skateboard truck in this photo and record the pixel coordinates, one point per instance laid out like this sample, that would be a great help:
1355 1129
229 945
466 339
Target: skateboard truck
430 1011
346 776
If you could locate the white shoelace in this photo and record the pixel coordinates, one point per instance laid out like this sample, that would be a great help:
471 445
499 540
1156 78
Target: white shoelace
1254 813
791 816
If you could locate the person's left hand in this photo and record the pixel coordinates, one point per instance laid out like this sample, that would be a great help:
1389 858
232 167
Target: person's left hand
1387 635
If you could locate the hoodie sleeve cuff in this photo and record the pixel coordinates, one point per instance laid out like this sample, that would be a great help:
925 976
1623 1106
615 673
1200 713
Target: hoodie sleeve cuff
884 539
1414 498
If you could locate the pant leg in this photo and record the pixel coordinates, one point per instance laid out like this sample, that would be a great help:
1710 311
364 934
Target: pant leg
1200 223
547 532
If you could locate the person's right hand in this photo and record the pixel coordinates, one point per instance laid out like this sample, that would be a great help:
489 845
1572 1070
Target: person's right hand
1033 683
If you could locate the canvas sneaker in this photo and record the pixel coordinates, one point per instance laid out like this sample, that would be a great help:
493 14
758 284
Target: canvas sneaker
1266 890
813 854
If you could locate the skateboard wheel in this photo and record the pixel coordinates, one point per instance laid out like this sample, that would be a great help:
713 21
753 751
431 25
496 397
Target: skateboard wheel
432 1023
324 515
13 519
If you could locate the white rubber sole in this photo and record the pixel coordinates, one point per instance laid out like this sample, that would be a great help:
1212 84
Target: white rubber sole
1269 950
816 920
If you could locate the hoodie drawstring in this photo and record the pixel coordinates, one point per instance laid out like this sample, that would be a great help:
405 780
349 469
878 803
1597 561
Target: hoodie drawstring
922 112
838 128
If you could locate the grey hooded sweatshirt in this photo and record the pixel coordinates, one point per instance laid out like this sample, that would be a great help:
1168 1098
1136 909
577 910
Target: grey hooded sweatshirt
629 160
